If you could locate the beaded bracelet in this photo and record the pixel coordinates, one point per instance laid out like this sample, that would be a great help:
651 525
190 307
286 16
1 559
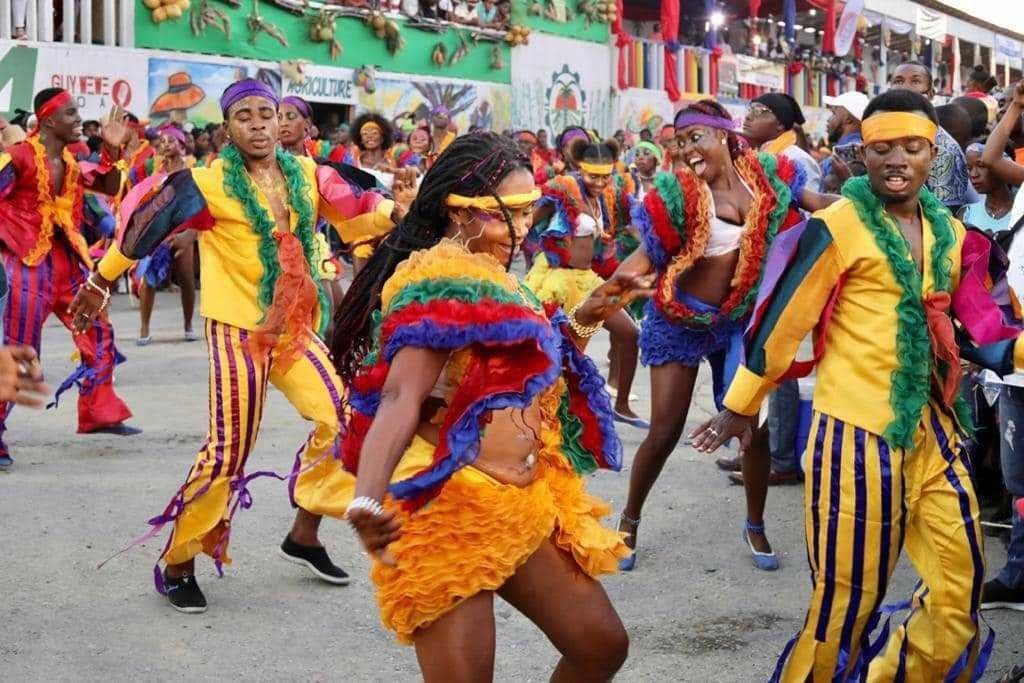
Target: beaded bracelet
582 331
365 503
102 291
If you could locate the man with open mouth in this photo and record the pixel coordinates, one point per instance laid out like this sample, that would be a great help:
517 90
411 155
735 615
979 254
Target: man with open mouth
875 274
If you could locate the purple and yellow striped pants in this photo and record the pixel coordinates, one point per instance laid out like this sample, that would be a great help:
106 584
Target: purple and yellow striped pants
865 503
238 388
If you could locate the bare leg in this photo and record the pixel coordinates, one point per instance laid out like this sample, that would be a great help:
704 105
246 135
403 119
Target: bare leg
756 468
459 647
671 390
176 571
184 270
613 366
147 298
305 528
624 337
573 611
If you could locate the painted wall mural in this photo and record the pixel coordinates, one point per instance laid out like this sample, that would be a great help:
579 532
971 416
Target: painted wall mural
548 93
486 105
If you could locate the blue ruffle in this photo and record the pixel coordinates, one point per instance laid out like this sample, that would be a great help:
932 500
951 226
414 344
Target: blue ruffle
652 245
155 269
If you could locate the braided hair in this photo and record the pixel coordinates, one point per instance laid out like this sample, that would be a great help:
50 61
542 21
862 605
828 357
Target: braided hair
473 165
711 108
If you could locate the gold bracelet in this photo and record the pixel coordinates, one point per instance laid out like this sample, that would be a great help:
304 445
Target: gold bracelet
583 332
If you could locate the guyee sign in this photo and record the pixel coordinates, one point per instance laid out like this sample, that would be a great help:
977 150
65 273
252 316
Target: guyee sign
331 85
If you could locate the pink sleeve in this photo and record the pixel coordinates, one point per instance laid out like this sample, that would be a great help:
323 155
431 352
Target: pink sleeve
355 217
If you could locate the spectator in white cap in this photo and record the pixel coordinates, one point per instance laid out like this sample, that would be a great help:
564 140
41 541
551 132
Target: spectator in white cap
844 132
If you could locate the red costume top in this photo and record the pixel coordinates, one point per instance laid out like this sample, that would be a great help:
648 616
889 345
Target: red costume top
32 210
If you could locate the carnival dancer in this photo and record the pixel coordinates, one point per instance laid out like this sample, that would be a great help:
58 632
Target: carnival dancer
176 256
482 413
877 272
255 211
705 231
573 225
47 257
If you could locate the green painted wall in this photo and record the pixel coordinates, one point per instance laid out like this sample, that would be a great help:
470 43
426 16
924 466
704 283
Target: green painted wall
20 61
597 32
360 46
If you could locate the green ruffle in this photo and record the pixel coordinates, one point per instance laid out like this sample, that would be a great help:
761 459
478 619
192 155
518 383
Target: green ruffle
572 434
910 383
453 289
671 195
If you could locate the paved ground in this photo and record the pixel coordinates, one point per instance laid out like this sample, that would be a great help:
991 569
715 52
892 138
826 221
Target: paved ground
696 610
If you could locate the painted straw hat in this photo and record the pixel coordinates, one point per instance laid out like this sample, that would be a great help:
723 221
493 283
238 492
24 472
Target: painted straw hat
181 93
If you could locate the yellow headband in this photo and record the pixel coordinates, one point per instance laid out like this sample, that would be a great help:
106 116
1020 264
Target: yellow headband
511 201
893 125
370 124
596 169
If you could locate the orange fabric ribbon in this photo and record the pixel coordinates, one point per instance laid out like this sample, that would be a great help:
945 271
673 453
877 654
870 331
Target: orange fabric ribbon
293 309
944 346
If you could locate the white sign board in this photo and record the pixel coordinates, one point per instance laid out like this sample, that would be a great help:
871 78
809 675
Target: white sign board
328 84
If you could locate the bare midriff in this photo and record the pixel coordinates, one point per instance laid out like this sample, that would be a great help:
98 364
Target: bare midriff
508 445
710 278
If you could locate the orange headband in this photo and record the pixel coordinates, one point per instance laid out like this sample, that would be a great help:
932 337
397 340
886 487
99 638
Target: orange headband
893 125
50 107
370 124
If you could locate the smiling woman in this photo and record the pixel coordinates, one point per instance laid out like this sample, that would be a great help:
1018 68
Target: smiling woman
706 231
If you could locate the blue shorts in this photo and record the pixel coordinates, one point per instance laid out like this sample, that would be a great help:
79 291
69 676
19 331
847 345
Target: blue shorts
663 341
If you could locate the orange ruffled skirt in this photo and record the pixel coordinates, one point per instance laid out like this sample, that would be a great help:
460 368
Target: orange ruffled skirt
478 532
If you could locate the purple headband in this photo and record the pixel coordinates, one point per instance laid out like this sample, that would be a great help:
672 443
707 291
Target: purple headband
574 133
690 118
441 109
300 104
173 132
248 87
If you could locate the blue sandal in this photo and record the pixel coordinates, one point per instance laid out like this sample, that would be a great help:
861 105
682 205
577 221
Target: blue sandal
627 564
765 561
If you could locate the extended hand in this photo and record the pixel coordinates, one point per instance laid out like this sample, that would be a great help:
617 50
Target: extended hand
115 129
722 427
85 307
1018 95
620 291
21 377
376 532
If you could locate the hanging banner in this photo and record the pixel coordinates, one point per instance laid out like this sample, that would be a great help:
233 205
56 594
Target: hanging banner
931 24
1008 47
847 29
760 72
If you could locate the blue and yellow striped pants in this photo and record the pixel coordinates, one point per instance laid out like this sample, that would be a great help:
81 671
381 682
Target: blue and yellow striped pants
865 503
238 389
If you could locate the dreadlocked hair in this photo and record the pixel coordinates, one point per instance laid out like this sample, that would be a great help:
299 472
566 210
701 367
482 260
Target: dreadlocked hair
473 165
606 152
712 108
387 131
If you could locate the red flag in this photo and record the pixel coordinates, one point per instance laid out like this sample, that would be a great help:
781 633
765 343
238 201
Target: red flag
670 33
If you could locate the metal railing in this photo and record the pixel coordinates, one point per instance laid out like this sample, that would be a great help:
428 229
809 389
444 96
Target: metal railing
83 22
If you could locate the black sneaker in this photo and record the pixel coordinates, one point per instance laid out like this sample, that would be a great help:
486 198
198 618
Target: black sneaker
184 595
315 559
994 595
